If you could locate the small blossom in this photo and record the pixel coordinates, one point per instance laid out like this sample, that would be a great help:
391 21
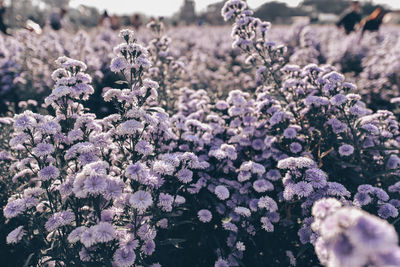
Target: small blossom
204 215
141 200
222 192
16 235
346 150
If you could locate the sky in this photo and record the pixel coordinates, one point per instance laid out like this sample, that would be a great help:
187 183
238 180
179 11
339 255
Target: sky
169 7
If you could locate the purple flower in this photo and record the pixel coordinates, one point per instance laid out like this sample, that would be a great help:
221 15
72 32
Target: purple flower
317 101
15 235
388 210
222 192
258 144
118 64
325 207
149 247
266 224
334 77
87 157
124 257
295 147
104 232
95 184
338 100
43 149
128 242
50 127
49 172
273 175
75 234
345 253
185 176
357 110
390 258
163 167
362 199
316 177
305 233
204 215
23 122
165 202
267 203
243 211
14 208
346 150
380 193
372 233
262 185
141 200
290 133
303 189
114 188
221 105
393 162
336 189
296 163
88 237
221 263
59 219
365 188
337 126
143 147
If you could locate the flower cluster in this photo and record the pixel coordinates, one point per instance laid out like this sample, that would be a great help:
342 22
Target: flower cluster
246 154
350 237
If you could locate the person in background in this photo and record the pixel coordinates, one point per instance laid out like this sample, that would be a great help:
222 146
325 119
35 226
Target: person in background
115 22
32 26
136 21
351 18
105 20
56 19
3 27
374 21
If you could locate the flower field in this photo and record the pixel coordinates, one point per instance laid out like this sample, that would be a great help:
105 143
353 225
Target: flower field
242 145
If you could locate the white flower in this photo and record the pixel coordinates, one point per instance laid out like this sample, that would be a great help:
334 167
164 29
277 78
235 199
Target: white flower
240 246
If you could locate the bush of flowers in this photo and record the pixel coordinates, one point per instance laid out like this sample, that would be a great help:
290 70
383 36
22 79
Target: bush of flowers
253 155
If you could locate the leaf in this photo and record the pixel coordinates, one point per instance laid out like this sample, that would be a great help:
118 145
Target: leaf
152 110
172 241
302 250
121 82
173 214
26 264
183 222
326 153
226 220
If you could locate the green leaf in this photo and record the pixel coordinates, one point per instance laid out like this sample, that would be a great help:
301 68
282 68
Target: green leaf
26 264
121 82
183 222
172 241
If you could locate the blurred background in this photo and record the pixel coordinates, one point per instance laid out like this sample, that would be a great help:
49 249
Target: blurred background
350 35
89 13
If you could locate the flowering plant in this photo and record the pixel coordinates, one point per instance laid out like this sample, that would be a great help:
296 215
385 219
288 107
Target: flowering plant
294 158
